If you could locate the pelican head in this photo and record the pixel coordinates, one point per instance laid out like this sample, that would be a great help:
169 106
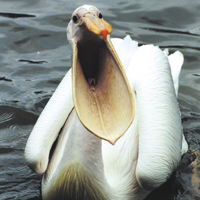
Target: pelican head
102 96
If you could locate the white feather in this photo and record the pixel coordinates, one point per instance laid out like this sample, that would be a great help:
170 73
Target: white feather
48 126
125 49
176 61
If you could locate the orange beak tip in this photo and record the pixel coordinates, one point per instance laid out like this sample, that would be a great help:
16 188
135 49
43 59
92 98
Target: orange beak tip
104 33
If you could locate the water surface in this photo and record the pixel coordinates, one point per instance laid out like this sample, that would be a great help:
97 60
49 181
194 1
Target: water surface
35 55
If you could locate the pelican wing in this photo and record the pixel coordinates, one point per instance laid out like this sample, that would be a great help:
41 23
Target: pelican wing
48 126
158 116
176 61
125 49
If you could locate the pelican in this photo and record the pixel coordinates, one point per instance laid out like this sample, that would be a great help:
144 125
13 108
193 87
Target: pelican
112 129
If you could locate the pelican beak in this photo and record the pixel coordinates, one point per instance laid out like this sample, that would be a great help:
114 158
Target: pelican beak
102 95
96 25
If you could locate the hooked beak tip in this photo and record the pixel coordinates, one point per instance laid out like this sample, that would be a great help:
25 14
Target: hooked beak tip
104 33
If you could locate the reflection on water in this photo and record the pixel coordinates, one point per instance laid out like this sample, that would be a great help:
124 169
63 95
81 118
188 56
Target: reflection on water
35 55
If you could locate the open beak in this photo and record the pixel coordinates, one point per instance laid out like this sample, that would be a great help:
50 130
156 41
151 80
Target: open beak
102 96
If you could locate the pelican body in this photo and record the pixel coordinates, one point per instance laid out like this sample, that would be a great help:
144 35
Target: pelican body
114 119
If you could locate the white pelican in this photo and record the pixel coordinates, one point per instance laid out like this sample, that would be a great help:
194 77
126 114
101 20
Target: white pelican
121 134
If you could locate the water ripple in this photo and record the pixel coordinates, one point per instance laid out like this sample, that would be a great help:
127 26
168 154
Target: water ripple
15 15
35 55
5 117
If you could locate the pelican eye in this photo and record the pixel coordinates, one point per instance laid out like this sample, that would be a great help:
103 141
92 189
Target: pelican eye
75 19
100 16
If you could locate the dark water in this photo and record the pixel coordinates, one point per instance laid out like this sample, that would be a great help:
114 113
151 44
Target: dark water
35 55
